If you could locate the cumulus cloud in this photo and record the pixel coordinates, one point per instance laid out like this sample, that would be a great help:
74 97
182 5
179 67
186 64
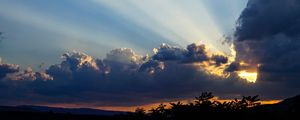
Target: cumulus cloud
219 59
28 74
167 52
267 37
192 53
123 77
151 66
125 55
13 72
196 53
7 68
77 65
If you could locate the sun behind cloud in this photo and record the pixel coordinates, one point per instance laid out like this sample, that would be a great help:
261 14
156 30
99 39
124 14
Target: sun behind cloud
249 76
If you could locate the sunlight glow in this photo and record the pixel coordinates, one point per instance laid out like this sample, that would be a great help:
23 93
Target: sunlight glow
214 70
232 57
219 70
249 76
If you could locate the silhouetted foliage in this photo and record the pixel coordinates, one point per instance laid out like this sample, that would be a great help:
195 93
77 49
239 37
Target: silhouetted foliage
139 114
203 107
206 107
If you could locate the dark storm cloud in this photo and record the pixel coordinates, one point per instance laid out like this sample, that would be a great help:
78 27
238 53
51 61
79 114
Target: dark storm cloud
268 35
123 77
265 18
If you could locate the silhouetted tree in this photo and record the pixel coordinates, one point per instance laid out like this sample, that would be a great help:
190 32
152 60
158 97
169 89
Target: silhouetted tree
251 101
159 113
139 114
203 106
204 99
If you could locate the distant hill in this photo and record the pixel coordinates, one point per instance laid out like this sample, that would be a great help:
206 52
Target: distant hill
77 111
288 105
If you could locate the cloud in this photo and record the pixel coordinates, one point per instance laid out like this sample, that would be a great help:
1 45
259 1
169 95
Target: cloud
151 66
219 59
261 19
125 55
192 53
196 53
28 74
7 68
13 72
267 38
77 65
234 66
167 52
122 78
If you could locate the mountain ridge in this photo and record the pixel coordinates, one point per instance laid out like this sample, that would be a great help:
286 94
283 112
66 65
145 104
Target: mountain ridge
60 110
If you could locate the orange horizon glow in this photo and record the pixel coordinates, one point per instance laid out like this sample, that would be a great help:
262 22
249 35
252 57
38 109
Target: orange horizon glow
154 105
146 107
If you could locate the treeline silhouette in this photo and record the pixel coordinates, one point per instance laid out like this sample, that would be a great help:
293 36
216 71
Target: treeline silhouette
203 107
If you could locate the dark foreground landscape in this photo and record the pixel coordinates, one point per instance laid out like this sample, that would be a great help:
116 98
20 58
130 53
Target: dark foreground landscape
247 108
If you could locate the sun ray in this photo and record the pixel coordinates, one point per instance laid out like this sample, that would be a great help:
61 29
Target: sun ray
173 21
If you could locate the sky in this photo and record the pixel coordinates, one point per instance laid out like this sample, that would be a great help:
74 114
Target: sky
46 29
128 53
